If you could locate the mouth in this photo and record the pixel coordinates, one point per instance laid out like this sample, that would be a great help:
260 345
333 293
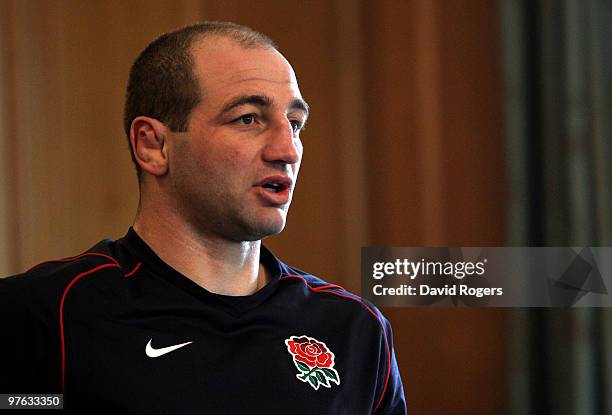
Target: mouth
274 187
275 184
275 190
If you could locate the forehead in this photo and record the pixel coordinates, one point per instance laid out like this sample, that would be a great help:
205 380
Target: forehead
225 68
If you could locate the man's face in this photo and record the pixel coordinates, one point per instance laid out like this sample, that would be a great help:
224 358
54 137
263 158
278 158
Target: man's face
233 172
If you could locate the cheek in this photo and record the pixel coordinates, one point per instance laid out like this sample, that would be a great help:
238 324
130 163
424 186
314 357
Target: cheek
217 161
296 168
224 170
300 149
234 156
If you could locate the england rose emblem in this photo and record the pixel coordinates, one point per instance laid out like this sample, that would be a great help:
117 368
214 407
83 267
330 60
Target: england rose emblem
314 361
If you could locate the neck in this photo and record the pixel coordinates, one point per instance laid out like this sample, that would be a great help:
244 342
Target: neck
220 266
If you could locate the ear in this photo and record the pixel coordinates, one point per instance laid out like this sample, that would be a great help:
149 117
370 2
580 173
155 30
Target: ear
148 138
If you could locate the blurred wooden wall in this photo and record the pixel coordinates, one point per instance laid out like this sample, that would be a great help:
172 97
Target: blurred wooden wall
404 147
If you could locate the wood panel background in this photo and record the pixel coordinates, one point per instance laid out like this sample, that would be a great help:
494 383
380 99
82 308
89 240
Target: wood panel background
404 147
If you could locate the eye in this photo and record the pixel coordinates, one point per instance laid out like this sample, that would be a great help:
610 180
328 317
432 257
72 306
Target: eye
246 119
296 125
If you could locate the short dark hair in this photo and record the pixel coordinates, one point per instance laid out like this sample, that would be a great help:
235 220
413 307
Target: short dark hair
162 84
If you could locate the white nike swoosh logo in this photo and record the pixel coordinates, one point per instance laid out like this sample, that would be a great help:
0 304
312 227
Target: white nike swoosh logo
152 352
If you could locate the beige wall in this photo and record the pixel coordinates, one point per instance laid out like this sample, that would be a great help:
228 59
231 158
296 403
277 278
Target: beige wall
403 147
69 179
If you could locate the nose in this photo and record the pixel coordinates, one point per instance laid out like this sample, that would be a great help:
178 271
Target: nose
282 146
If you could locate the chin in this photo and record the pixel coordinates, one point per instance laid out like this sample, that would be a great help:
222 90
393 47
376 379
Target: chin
270 231
263 228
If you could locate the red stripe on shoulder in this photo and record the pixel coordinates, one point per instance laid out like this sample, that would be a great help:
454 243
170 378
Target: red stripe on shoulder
382 394
74 258
329 286
61 310
132 272
322 287
327 289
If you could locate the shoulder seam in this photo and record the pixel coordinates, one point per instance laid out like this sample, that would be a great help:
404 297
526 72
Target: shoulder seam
320 287
74 258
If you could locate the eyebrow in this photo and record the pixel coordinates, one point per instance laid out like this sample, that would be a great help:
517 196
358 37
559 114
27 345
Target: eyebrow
300 104
263 101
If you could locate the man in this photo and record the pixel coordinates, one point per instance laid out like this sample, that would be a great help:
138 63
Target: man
189 313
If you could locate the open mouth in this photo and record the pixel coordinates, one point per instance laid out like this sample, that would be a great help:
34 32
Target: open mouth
275 190
274 187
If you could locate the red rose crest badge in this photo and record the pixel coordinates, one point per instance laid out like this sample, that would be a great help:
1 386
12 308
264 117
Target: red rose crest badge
314 361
